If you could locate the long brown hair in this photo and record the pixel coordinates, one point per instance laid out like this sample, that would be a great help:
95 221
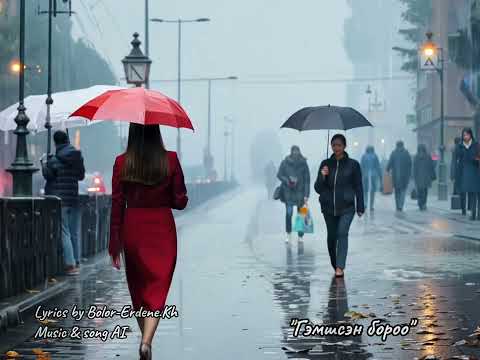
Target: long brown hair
146 159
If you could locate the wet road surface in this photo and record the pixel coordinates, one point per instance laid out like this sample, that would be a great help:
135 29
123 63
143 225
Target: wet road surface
238 285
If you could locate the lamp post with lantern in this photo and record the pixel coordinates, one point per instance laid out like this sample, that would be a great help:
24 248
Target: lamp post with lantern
22 168
52 12
432 59
136 65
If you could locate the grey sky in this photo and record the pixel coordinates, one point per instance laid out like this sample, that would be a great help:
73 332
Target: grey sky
269 39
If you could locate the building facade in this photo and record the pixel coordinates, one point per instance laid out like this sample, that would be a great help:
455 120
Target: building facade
447 18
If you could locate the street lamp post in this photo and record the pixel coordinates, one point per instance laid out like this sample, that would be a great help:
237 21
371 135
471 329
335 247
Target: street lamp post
373 107
226 134
22 168
232 153
208 157
136 65
179 22
52 12
432 59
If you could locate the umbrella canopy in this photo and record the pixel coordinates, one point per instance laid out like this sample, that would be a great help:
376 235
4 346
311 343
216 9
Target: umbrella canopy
137 105
63 104
326 117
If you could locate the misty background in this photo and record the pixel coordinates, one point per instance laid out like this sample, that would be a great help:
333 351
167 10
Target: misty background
276 48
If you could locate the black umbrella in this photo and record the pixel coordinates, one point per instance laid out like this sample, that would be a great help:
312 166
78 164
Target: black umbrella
326 118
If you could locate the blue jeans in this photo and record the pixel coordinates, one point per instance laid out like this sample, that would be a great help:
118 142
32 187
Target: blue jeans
288 219
400 195
337 238
70 235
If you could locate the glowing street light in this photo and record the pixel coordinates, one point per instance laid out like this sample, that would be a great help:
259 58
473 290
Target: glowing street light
15 67
432 59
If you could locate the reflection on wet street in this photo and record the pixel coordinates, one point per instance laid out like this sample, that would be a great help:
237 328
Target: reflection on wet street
238 285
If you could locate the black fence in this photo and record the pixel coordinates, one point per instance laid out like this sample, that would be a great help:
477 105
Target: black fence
31 234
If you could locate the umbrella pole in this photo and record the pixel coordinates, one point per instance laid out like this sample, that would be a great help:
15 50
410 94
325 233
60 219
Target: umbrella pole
328 139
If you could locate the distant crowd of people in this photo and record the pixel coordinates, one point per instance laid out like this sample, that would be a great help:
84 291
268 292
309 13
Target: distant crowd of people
347 187
401 169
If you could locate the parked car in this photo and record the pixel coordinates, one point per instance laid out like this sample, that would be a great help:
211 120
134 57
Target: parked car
92 184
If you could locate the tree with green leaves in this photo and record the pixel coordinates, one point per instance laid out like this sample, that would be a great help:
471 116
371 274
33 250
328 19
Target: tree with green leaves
418 14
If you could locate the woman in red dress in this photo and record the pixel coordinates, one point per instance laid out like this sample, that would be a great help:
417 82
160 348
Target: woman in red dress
147 183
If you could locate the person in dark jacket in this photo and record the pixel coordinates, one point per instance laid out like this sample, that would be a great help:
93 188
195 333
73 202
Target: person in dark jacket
339 184
455 171
470 172
372 175
62 172
400 164
295 188
423 175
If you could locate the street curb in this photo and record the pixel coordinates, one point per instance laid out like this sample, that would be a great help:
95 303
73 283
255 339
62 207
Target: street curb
11 315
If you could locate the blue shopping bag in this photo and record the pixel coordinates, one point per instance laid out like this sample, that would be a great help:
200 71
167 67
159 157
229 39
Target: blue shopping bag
308 223
299 225
304 222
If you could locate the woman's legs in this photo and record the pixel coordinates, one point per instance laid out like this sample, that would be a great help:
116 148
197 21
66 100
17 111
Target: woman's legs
344 222
288 218
149 328
463 202
332 223
140 321
472 206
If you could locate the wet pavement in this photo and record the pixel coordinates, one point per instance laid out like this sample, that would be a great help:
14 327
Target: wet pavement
238 285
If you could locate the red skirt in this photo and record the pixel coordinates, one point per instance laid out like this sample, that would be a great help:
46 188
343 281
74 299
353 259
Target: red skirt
150 247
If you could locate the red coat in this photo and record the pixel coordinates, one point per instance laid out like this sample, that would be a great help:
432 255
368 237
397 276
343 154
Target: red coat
142 225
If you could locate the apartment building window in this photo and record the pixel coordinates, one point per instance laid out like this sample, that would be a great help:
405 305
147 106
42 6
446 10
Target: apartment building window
425 115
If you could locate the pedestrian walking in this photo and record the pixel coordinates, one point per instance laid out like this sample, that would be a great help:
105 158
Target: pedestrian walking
371 175
295 177
423 175
62 173
339 184
455 170
470 173
150 180
270 178
400 165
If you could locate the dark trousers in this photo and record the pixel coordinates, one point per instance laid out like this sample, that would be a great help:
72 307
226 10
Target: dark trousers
470 201
474 204
400 195
337 238
288 219
422 195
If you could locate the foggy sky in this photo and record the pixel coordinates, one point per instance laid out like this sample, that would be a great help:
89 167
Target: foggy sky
251 39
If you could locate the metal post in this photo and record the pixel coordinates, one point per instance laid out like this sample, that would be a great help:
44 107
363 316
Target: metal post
147 41
225 156
22 168
232 161
209 117
49 100
442 167
179 89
